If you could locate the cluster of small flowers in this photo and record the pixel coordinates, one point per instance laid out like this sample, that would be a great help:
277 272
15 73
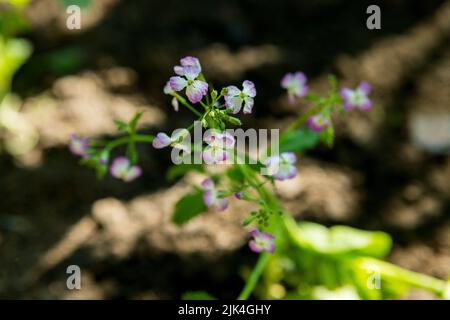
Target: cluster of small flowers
120 168
295 84
219 143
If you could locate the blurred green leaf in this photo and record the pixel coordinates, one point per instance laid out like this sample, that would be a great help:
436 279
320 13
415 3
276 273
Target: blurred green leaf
197 295
133 122
81 3
340 240
235 175
327 135
13 53
300 140
121 125
189 206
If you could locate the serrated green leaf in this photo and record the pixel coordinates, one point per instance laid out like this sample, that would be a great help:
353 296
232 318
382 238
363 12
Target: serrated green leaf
189 206
300 140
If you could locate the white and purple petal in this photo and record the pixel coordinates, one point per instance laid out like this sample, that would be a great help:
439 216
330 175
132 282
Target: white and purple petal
177 83
249 88
248 105
161 140
233 103
196 90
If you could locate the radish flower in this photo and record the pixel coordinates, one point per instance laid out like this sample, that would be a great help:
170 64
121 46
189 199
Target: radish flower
219 146
318 122
262 241
187 78
295 84
79 145
210 196
235 97
358 98
121 168
282 167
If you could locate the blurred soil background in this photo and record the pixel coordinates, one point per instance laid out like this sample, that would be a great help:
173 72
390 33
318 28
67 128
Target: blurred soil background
389 169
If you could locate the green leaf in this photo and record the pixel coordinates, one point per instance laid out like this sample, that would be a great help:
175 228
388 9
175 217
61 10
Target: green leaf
300 140
133 123
340 240
327 136
189 206
179 170
121 125
81 3
197 295
235 175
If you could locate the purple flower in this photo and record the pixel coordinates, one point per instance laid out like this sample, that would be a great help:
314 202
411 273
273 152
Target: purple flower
262 241
121 168
187 62
210 196
282 167
239 195
178 140
168 90
358 98
295 84
318 122
219 145
235 97
79 145
187 78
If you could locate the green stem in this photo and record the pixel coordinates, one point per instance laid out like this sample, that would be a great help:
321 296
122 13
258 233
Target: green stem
186 104
127 139
252 280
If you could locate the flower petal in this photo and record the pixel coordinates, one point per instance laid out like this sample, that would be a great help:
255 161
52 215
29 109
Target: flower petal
285 171
179 70
249 88
233 91
177 83
209 197
214 155
132 173
254 246
248 105
161 140
233 103
196 91
191 72
175 104
78 145
191 62
286 80
119 167
228 140
365 87
366 106
222 204
289 157
208 184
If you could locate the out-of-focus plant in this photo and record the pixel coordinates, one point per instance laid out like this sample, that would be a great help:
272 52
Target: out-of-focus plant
19 136
296 260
